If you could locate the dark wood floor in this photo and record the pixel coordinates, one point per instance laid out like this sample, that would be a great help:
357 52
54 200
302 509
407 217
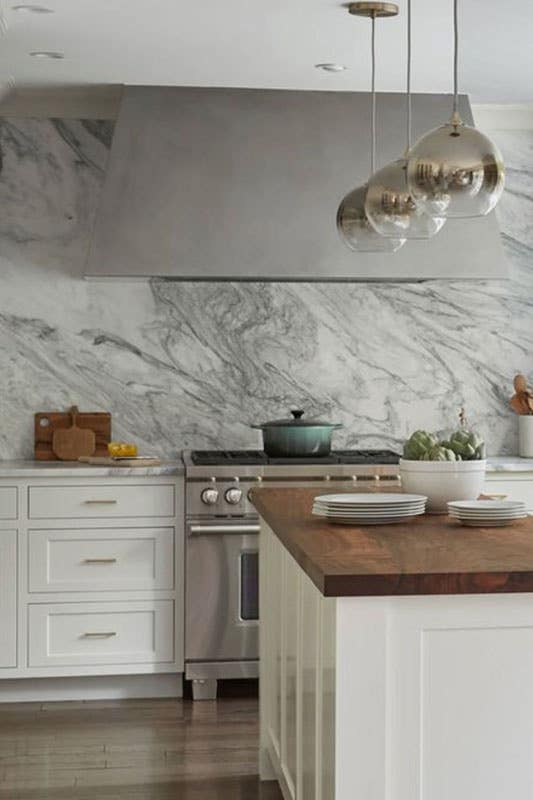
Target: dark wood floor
140 750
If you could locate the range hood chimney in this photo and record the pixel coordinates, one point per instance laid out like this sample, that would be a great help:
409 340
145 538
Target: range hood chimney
244 184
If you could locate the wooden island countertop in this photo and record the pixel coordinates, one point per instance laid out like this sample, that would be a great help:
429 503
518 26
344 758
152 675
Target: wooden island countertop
432 554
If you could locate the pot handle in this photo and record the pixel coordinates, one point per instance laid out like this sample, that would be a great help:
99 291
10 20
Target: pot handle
297 413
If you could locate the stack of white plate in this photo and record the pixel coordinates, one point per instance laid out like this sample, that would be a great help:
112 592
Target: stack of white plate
368 509
487 513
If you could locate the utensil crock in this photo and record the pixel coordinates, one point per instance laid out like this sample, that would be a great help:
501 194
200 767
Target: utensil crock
525 435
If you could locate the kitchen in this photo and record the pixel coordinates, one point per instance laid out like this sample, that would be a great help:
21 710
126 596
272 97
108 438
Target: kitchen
192 363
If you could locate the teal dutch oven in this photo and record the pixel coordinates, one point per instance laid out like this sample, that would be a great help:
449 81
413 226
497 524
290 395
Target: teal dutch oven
297 437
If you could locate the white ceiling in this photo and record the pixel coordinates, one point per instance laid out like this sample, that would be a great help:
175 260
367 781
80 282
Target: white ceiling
269 43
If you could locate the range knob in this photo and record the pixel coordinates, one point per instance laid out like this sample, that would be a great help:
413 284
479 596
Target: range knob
209 496
233 495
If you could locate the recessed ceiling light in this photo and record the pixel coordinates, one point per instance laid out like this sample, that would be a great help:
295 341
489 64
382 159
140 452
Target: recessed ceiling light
331 67
32 9
46 54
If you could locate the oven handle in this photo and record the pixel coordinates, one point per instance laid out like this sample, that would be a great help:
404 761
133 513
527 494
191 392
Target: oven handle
200 530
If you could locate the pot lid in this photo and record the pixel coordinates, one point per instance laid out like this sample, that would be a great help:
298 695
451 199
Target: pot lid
297 421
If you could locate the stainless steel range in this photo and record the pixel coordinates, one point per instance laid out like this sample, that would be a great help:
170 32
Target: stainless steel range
222 526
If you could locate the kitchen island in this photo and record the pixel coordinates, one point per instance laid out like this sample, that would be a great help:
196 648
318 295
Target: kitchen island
396 661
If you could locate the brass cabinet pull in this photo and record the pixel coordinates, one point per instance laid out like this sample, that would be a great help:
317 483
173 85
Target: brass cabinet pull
100 502
99 560
98 634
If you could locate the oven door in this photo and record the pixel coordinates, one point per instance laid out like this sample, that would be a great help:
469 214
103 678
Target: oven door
222 590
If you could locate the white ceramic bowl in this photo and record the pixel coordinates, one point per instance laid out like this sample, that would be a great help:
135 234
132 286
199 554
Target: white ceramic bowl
442 481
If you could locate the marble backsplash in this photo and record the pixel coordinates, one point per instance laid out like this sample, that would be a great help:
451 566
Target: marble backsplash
193 364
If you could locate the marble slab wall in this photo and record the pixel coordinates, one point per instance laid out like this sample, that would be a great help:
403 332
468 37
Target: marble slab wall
193 364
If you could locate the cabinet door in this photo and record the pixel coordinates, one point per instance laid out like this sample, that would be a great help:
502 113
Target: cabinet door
8 599
517 486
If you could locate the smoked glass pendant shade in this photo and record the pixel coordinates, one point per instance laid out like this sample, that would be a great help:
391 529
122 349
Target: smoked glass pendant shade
455 171
391 208
355 229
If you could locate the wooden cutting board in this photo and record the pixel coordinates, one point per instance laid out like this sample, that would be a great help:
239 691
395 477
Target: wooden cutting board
46 422
72 443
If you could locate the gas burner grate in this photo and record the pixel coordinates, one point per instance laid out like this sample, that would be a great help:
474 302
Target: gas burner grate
313 460
227 458
366 457
221 458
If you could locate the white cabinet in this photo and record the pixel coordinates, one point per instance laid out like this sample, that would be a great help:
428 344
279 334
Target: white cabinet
91 582
297 677
8 599
515 485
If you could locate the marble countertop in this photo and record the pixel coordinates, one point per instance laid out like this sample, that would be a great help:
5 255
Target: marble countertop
70 469
509 464
63 469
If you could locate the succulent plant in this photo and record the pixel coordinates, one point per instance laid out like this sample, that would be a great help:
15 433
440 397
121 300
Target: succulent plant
418 445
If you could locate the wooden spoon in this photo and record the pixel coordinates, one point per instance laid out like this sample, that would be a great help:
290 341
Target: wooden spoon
525 403
517 404
520 383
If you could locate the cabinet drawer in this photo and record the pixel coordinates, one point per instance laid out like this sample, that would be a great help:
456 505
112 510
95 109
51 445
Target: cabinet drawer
107 559
8 502
100 500
83 634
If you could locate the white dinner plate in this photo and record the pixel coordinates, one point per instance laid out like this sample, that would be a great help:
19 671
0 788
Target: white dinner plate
367 514
418 502
487 505
374 499
488 513
366 510
503 523
369 508
489 522
495 515
487 516
357 523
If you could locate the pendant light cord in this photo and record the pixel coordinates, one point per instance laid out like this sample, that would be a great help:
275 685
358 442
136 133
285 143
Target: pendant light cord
409 104
455 58
373 146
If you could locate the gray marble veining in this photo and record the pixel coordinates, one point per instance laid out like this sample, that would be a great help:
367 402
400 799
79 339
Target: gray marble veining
193 364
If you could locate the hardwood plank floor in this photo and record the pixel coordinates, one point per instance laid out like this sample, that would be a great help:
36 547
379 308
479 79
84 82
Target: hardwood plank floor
135 749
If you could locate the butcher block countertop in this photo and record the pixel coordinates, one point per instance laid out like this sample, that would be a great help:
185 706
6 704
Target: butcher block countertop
432 554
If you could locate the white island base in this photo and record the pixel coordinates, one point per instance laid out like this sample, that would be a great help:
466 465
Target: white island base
393 698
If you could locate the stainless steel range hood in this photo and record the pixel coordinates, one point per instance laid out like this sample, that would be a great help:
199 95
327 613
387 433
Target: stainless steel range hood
244 184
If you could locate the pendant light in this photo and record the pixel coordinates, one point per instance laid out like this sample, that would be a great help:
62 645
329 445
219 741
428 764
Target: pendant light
352 222
455 170
389 204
